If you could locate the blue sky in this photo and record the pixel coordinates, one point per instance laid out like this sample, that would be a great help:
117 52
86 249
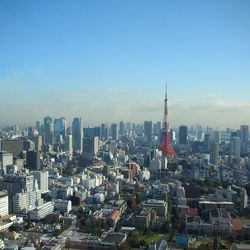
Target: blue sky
109 60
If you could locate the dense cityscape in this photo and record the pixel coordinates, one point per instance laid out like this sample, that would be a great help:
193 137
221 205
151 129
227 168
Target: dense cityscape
126 186
124 125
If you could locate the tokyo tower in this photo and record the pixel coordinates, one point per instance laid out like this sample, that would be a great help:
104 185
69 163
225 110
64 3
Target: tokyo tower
166 147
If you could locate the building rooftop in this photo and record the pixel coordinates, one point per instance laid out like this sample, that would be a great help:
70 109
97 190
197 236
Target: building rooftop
217 202
3 193
155 202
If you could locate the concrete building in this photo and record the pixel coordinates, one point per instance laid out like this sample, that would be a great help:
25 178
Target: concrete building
181 197
38 143
61 192
14 146
28 145
42 211
6 159
160 206
214 153
144 218
26 201
4 203
42 178
15 183
64 206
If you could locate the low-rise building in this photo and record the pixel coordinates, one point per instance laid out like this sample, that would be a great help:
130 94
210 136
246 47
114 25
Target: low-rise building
4 203
144 218
160 206
42 211
64 206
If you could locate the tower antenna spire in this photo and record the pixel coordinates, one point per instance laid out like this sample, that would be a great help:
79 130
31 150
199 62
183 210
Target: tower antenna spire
166 91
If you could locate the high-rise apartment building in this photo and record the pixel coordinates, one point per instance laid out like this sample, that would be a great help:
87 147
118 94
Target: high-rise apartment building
26 201
15 184
77 134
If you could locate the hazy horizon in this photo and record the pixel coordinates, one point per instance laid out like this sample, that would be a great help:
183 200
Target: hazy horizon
108 61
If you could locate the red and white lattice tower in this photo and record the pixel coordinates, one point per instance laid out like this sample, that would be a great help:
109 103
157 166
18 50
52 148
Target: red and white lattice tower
166 147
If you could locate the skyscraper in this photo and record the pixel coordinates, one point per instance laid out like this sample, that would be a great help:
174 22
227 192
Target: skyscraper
77 134
104 132
48 130
214 153
148 127
60 125
244 134
42 178
114 131
157 129
33 160
90 146
183 134
235 147
216 136
206 142
38 126
39 143
92 132
122 128
69 145
172 135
